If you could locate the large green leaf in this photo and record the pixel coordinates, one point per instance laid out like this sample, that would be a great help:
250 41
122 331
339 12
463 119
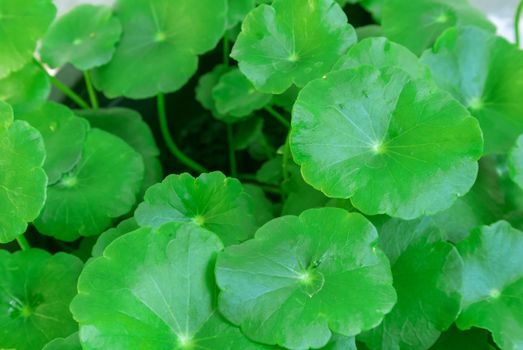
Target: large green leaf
64 136
86 37
427 276
302 278
103 186
485 73
160 45
493 283
417 24
26 88
22 23
35 291
291 42
155 289
516 162
400 147
22 177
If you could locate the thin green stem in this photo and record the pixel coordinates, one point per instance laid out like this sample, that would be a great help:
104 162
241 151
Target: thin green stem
226 49
278 116
286 158
519 10
171 145
90 90
23 243
232 153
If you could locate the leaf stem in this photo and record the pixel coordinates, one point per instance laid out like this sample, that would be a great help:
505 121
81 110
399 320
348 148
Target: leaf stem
226 49
519 10
171 145
278 116
22 242
90 90
286 157
232 153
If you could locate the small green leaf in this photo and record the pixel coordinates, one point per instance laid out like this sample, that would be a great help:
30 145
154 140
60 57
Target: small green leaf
35 291
110 235
103 186
417 24
22 178
21 25
485 73
160 44
302 277
394 146
72 342
158 285
205 86
235 97
237 11
516 162
493 283
212 201
86 37
64 136
291 42
26 88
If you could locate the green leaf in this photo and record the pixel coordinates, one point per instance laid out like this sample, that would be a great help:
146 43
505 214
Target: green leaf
516 162
394 146
22 179
485 73
212 201
493 283
35 291
235 97
86 37
111 234
417 24
262 207
427 276
21 25
129 126
160 44
64 136
341 342
103 186
289 285
26 88
72 342
158 285
382 53
205 86
237 11
291 42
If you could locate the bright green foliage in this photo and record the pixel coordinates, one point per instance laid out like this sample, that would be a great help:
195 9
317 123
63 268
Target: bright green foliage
22 23
22 179
35 291
212 201
262 207
400 147
516 162
25 88
493 283
275 51
64 136
417 24
485 73
160 44
237 10
288 286
72 342
103 186
427 277
235 97
111 234
85 37
116 299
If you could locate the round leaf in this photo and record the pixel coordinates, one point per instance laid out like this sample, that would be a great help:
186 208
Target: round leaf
35 291
158 285
400 147
22 179
22 23
205 86
211 200
493 283
86 37
64 136
72 342
160 44
417 24
516 162
291 42
302 277
110 235
103 186
485 73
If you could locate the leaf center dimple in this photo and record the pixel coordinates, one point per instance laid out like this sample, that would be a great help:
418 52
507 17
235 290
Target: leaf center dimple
378 147
199 220
475 104
185 342
160 37
69 181
293 57
495 293
312 281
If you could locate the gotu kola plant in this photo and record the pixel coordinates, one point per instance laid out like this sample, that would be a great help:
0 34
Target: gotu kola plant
248 174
